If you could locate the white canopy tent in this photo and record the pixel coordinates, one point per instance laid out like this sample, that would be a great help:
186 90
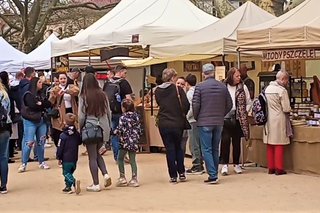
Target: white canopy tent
40 58
297 28
154 21
219 38
9 53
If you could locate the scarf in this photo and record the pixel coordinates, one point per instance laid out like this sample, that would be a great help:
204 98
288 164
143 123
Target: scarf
241 109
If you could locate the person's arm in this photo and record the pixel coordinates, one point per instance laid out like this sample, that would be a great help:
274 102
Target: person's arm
229 103
250 87
126 89
248 98
73 90
119 129
196 102
7 105
184 101
285 102
31 101
54 95
190 96
60 148
81 113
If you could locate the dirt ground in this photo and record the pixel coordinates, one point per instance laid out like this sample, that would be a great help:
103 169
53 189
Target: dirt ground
253 191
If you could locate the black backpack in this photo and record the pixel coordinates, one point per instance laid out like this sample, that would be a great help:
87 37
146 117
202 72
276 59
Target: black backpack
3 117
112 89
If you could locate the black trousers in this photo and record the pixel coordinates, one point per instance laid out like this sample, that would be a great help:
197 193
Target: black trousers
55 134
12 144
234 134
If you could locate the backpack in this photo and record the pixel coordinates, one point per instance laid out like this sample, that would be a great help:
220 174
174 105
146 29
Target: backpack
3 117
112 89
260 109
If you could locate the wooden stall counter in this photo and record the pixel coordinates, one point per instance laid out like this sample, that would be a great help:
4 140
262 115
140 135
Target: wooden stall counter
301 156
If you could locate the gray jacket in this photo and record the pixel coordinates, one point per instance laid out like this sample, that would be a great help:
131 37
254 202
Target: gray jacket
211 102
105 120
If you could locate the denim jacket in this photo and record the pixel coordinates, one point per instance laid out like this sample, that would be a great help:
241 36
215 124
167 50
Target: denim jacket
6 104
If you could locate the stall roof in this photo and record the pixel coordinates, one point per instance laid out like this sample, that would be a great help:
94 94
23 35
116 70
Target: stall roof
8 53
297 28
39 58
218 38
155 21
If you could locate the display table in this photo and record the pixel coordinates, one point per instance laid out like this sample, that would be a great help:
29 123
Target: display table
301 156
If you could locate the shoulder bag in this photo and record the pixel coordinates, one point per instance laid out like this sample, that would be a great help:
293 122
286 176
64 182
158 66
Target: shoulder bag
91 133
28 114
186 122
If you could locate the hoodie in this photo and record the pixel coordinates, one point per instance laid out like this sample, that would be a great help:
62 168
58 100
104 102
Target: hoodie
68 146
171 113
129 131
23 88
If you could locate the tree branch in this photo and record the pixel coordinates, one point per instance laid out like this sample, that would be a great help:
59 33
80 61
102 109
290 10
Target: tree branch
19 5
89 5
9 23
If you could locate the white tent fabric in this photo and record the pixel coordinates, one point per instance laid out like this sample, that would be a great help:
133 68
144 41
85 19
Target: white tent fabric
9 53
219 38
297 28
40 58
155 21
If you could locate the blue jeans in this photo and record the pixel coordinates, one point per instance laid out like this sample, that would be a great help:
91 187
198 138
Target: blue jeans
114 138
4 157
195 147
172 138
210 139
32 130
21 139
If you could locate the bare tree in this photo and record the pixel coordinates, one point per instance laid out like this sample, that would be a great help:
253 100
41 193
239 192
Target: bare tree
29 19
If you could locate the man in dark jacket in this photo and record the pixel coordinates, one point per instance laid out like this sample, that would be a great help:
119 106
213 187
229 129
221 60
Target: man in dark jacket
211 102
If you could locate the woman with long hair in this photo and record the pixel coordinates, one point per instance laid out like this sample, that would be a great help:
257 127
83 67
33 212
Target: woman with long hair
63 97
236 123
94 109
34 128
5 132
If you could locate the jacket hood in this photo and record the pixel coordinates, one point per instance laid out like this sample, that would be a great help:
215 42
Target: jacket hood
23 83
69 130
165 89
133 116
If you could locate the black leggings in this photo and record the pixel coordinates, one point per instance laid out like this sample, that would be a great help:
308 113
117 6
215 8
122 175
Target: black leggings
229 133
55 134
12 144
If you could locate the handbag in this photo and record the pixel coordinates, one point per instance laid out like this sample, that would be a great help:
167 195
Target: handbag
230 118
28 114
91 133
186 124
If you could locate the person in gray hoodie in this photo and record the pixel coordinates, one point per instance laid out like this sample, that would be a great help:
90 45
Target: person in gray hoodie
211 102
194 140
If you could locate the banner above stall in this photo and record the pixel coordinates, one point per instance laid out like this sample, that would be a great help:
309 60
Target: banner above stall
288 54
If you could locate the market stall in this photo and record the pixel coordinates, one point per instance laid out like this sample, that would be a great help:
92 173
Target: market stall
292 36
8 53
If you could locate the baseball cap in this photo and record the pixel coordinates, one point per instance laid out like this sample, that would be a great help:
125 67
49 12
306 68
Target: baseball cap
76 69
90 69
207 67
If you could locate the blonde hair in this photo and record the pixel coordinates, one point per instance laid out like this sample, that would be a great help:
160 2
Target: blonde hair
168 74
3 90
42 79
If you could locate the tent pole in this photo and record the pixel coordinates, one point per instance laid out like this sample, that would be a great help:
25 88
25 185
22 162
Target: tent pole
239 60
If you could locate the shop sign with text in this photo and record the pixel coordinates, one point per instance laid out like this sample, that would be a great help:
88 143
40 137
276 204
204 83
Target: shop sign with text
290 54
62 63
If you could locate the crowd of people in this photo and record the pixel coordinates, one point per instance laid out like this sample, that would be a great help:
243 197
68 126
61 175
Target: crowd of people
207 113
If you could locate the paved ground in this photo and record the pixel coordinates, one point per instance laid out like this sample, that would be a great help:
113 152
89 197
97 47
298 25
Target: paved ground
39 191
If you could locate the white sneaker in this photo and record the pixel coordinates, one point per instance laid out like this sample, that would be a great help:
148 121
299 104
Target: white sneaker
43 165
122 181
224 170
60 166
237 169
107 180
93 188
22 168
47 145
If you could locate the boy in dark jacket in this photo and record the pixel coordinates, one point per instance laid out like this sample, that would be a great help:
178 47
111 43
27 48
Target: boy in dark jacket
67 153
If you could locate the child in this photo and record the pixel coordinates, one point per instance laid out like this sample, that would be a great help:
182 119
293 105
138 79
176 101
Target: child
128 131
67 153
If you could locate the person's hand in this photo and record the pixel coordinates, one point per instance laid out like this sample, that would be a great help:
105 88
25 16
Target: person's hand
39 103
61 92
59 162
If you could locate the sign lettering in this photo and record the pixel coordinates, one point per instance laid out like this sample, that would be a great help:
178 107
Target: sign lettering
292 54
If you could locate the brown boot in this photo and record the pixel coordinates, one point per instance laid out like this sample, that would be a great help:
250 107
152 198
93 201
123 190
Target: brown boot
280 172
271 171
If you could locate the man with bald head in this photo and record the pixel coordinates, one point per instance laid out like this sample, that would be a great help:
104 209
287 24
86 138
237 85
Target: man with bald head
247 80
278 127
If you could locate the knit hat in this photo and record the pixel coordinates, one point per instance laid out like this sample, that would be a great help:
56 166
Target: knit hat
208 67
70 119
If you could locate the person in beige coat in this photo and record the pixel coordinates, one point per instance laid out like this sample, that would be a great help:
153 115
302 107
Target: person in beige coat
68 92
275 130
